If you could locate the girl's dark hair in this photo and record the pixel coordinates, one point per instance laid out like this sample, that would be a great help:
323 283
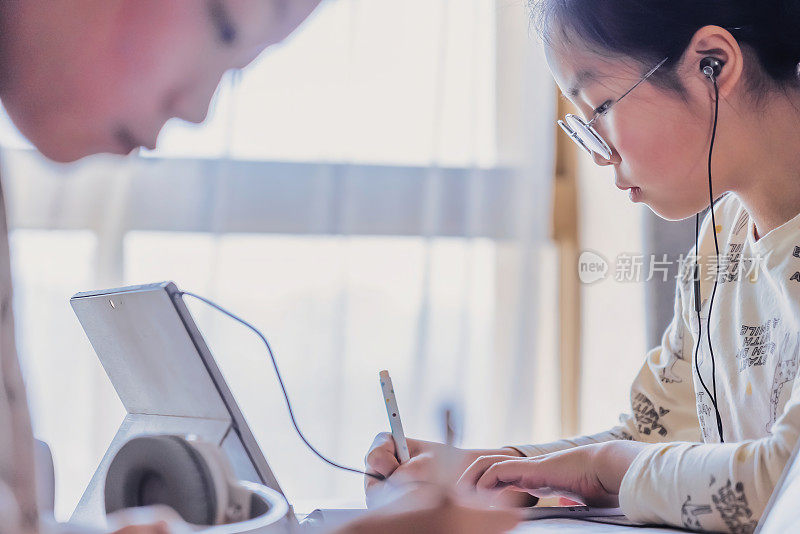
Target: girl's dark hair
650 30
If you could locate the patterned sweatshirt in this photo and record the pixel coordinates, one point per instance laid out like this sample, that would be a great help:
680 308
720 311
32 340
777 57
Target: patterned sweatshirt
690 478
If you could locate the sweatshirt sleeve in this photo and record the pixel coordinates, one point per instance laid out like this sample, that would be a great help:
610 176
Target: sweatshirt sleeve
662 395
663 485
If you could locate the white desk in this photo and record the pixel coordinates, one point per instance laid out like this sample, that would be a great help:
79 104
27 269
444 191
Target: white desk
563 526
576 526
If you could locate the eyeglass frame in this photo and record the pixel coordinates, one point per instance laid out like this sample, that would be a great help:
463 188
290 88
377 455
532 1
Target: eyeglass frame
588 125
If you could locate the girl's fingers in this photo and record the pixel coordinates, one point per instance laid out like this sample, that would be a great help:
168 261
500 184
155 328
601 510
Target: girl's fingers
542 478
418 468
476 470
382 462
515 474
381 456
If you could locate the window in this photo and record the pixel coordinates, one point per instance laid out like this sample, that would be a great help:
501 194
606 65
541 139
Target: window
363 82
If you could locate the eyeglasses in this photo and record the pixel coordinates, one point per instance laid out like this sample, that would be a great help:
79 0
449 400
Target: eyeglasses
584 134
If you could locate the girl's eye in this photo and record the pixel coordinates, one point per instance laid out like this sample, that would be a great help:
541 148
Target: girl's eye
602 107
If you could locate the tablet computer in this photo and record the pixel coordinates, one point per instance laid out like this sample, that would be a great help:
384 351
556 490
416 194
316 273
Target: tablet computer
166 378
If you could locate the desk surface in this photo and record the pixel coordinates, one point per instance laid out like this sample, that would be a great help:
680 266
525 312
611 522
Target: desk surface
575 526
563 526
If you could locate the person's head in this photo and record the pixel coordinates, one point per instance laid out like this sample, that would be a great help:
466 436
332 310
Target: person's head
659 133
80 77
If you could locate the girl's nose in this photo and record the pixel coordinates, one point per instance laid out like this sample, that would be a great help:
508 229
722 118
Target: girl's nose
601 161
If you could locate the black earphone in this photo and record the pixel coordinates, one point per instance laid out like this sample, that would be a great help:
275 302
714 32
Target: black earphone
710 67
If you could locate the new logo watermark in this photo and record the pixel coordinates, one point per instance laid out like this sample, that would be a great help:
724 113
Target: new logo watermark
591 267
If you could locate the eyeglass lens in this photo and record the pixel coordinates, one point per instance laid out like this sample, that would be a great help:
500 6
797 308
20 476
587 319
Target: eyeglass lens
587 137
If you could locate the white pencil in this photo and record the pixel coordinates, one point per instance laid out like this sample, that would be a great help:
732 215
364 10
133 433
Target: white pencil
394 417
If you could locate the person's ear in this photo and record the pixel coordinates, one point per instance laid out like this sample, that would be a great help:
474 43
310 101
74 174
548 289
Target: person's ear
715 42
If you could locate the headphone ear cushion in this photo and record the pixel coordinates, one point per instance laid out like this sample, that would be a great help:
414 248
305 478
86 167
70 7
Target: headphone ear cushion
166 470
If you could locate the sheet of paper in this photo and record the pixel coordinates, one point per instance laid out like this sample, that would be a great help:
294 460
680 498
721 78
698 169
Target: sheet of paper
575 512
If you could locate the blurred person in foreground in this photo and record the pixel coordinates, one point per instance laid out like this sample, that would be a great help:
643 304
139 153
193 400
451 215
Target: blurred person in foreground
81 77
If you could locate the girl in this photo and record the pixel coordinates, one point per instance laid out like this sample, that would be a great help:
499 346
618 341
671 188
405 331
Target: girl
691 103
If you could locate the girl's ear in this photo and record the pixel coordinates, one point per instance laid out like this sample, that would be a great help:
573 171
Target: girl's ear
718 43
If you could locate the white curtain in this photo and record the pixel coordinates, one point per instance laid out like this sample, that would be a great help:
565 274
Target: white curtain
374 193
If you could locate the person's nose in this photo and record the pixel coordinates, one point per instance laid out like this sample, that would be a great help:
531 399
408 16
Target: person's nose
192 103
603 162
600 160
191 110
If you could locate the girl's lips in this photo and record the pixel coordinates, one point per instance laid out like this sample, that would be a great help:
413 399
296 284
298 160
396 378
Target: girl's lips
635 194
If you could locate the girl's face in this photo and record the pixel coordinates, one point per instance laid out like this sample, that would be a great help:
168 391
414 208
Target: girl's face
89 76
659 141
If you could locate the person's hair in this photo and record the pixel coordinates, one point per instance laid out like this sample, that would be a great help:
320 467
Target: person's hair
650 30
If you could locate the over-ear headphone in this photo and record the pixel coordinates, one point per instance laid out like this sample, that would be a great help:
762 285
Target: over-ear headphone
193 478
711 67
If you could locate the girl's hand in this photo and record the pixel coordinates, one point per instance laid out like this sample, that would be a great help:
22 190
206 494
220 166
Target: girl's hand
591 474
381 458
